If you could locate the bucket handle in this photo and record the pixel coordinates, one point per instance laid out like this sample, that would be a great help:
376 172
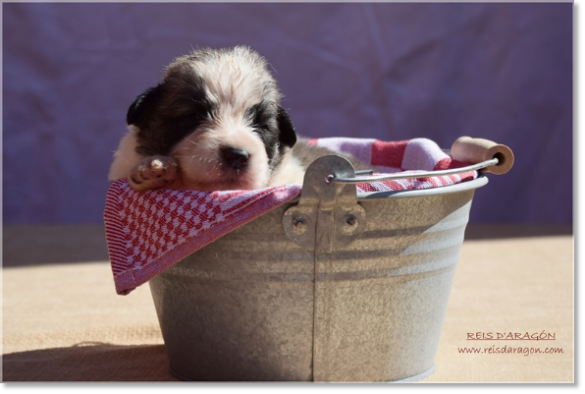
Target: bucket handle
421 174
485 154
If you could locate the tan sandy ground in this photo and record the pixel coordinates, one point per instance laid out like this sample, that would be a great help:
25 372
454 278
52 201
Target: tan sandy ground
64 321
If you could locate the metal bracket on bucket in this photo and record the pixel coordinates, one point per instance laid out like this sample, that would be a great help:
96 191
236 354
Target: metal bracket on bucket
328 216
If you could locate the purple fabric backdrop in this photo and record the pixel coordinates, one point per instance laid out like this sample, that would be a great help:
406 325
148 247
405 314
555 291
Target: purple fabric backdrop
387 71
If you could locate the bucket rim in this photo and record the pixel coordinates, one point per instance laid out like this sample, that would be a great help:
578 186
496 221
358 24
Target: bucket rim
480 181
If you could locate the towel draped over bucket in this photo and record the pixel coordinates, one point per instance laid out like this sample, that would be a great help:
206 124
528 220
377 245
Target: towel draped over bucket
148 232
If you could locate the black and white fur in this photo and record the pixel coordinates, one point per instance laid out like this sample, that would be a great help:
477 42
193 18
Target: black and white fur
214 122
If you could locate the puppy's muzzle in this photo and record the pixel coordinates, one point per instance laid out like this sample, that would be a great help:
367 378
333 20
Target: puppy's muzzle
235 158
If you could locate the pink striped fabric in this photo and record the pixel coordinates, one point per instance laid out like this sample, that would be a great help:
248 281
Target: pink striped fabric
148 232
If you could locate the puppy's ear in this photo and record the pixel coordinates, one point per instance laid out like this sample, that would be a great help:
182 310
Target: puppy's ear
144 103
288 135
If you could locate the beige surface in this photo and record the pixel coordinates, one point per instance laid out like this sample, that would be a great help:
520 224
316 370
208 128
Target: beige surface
65 322
510 285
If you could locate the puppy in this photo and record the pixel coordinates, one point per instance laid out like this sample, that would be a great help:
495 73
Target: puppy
214 122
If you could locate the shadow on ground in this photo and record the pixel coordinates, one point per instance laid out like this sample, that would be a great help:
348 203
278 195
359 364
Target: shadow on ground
89 362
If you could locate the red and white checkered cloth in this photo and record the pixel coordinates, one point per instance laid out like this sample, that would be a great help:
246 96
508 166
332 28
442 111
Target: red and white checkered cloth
148 232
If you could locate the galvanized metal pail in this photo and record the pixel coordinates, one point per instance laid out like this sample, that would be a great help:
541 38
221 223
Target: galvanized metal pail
332 286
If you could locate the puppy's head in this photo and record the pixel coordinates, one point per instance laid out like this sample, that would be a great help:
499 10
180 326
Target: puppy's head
218 113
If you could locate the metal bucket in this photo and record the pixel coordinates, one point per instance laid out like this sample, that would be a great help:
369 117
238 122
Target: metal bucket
329 287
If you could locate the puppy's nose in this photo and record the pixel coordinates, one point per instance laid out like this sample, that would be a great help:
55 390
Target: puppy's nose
235 158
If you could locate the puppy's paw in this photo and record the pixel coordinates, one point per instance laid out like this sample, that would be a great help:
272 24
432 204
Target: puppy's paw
153 172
